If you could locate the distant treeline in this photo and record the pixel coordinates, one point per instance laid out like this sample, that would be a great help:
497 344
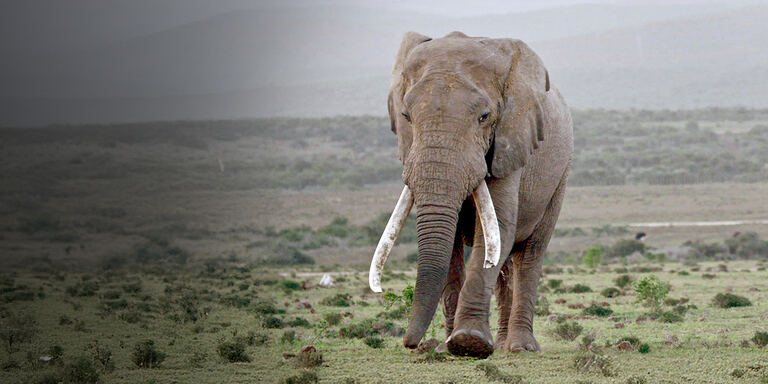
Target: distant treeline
611 147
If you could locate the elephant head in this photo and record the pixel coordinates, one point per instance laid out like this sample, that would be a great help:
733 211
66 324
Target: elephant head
463 109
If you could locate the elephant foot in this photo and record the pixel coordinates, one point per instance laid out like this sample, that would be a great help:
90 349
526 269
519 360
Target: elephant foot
501 340
470 342
521 341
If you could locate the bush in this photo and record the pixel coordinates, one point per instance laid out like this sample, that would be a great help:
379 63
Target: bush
580 288
273 322
623 281
305 377
636 380
592 257
493 373
288 337
332 318
644 348
626 247
729 300
760 339
651 291
596 310
554 283
299 322
233 352
339 300
374 342
81 371
588 360
568 330
670 317
16 329
309 359
145 355
610 292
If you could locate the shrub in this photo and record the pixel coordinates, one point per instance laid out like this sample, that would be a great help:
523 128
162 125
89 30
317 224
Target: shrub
596 310
630 339
568 330
554 283
273 322
305 377
309 359
592 257
610 292
626 247
339 300
670 317
290 285
81 371
729 300
636 380
493 373
623 281
580 288
332 318
374 342
587 360
542 307
644 348
145 355
651 291
299 322
16 329
760 339
233 352
288 337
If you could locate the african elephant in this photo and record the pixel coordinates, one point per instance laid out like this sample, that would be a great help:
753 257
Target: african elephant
486 144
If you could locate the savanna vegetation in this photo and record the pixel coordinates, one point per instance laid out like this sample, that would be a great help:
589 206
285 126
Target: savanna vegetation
192 252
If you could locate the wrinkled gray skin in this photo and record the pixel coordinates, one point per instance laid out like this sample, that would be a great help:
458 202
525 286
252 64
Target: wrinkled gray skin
466 109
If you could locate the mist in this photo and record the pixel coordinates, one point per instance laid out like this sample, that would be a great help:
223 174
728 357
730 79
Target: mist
88 61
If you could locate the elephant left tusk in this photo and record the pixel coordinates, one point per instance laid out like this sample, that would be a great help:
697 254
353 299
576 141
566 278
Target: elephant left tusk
490 224
387 241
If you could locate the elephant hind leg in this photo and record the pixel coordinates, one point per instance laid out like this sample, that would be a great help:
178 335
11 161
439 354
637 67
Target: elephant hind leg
526 270
504 301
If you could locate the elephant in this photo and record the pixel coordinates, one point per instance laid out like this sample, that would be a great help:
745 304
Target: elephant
486 144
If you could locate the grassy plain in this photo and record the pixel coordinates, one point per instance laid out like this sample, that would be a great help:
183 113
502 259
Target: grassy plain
110 236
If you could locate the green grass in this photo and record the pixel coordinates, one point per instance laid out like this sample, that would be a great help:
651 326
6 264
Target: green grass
710 344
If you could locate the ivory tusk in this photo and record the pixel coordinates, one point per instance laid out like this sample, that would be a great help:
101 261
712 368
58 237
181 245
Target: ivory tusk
490 224
387 241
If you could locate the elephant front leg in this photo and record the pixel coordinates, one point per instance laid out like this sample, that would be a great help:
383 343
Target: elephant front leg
472 334
453 284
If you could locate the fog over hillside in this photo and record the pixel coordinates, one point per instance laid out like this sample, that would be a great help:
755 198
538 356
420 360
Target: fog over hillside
115 61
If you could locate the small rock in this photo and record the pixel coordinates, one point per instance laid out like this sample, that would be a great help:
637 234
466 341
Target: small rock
672 340
561 301
427 345
618 325
308 349
625 346
46 358
304 305
326 281
553 317
576 306
287 355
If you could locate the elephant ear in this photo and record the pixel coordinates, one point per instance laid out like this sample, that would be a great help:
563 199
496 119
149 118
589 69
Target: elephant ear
521 125
397 90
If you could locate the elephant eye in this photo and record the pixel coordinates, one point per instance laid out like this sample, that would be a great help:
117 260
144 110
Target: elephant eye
483 117
407 116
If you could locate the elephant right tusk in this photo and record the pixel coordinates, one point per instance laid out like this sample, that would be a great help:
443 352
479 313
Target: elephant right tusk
490 224
387 241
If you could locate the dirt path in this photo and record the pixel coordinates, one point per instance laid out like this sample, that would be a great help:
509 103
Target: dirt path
699 223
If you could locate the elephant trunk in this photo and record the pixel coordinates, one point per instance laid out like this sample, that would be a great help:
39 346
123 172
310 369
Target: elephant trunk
435 229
